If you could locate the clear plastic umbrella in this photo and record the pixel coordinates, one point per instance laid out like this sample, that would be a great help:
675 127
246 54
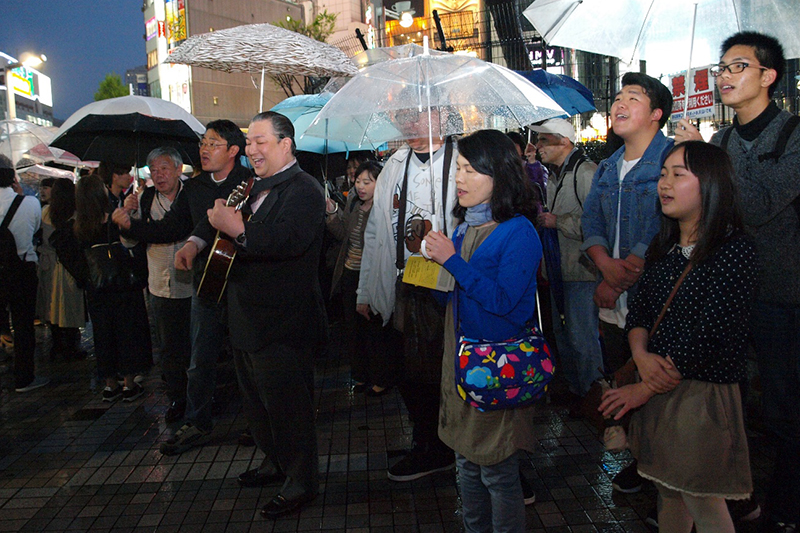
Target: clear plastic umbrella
463 93
25 143
661 30
431 96
373 56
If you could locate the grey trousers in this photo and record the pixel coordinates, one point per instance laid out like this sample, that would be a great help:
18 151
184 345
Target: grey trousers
277 387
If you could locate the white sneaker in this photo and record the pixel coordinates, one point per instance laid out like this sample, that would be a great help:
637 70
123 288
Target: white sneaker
35 384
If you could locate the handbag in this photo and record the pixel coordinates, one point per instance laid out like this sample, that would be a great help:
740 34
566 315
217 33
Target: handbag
114 268
492 376
614 435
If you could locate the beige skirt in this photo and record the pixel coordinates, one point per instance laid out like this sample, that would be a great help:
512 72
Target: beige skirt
67 304
692 440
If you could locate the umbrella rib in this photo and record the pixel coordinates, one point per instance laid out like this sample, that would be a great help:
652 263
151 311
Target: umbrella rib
555 28
641 29
736 14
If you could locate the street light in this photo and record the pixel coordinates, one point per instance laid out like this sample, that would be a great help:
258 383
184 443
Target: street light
30 61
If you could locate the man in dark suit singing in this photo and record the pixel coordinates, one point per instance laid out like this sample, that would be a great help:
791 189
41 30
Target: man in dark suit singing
275 309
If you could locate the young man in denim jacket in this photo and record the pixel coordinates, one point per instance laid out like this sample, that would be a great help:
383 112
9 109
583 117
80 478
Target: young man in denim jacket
621 215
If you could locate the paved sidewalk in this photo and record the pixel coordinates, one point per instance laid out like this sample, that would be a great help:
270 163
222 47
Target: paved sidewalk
69 462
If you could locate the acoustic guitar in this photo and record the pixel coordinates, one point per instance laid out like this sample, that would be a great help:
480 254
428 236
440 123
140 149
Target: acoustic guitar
220 259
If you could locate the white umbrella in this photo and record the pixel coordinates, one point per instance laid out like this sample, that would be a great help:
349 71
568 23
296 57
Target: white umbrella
262 48
661 30
127 128
144 105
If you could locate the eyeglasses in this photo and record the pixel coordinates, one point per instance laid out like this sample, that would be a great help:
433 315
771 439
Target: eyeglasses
734 68
210 145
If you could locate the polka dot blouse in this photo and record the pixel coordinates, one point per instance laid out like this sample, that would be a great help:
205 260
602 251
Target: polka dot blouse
706 326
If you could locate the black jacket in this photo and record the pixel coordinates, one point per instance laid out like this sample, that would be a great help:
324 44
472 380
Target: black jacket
188 210
273 290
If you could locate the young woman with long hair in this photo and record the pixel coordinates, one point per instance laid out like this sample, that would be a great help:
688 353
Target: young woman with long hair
688 435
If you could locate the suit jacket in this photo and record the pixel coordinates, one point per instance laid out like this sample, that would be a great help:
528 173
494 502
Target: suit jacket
273 290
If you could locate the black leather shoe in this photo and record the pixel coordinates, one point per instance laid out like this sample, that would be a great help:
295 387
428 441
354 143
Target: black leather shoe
252 478
175 412
279 505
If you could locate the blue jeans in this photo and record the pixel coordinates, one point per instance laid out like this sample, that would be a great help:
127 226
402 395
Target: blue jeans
776 335
209 332
491 496
578 341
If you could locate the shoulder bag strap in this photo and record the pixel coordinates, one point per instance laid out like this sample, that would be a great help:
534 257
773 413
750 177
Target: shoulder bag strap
669 300
575 180
783 137
12 210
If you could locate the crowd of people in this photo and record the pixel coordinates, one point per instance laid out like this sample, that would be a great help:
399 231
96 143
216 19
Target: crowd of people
671 253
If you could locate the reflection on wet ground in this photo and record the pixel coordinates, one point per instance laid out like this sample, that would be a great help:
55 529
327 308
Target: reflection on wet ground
70 462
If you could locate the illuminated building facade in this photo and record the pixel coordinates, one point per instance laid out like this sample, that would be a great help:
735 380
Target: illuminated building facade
207 94
33 94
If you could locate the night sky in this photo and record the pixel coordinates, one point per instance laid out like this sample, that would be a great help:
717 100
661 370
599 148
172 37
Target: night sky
83 40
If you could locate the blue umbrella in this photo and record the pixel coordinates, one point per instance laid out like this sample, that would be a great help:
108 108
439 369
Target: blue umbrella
571 95
302 110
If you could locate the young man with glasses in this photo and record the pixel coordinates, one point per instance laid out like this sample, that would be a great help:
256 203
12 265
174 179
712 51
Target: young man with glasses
764 144
220 150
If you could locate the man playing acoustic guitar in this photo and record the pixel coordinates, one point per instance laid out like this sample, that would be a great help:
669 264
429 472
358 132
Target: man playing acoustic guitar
275 309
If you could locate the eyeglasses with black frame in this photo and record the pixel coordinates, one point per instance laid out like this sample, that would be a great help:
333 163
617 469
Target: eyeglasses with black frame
736 67
211 146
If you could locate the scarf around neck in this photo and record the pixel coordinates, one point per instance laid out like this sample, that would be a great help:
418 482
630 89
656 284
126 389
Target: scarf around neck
478 215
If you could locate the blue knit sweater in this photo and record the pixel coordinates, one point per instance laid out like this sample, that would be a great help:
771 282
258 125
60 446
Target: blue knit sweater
496 290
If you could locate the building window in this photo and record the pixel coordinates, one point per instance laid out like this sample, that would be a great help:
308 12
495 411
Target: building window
152 59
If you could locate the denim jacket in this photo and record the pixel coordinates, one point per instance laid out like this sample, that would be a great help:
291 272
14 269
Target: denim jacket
639 209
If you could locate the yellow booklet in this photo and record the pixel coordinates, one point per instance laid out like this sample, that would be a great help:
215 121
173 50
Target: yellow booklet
426 273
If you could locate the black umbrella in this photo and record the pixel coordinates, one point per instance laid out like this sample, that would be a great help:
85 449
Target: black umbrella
127 138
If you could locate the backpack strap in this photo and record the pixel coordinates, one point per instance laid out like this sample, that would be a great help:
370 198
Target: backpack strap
783 137
572 166
146 202
726 137
12 210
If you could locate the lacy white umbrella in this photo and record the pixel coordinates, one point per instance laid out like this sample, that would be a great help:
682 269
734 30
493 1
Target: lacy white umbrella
126 129
431 96
262 48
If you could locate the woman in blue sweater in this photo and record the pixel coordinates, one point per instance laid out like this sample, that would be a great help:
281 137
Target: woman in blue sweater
495 273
